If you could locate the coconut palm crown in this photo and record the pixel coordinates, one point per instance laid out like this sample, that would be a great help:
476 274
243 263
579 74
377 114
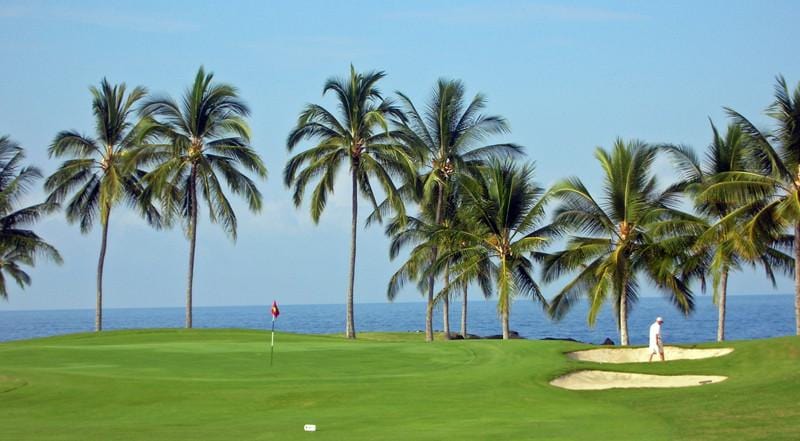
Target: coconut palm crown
361 138
508 210
205 142
719 226
19 245
97 173
617 241
774 179
420 233
451 136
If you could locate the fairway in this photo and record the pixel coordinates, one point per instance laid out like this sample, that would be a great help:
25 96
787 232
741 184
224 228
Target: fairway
218 385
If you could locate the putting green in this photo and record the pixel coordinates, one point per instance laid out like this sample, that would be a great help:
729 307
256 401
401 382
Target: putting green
218 385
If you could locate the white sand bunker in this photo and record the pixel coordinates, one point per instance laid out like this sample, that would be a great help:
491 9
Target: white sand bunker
599 380
641 355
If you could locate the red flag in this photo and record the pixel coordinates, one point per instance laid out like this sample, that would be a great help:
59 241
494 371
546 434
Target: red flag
275 311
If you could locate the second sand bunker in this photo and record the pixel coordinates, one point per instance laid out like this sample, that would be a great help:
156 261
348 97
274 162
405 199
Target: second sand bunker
599 380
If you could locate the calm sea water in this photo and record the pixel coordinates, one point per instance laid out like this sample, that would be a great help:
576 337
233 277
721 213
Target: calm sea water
757 316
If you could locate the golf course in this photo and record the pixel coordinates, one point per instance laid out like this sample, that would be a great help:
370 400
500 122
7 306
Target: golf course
219 385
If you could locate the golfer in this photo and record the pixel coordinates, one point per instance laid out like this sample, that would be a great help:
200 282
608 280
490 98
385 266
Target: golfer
656 343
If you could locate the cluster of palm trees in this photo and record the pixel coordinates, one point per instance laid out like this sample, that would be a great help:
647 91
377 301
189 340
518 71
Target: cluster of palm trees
481 219
155 154
467 211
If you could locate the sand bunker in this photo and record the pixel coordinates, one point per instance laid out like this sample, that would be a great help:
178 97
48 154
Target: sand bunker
599 380
641 355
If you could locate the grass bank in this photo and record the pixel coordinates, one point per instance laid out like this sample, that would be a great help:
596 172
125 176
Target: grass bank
218 385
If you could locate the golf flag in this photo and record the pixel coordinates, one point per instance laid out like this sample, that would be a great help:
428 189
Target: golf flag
275 311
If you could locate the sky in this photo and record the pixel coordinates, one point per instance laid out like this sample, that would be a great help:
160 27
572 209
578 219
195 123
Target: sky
569 77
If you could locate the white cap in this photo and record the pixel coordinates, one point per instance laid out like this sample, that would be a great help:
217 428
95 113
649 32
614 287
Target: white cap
659 319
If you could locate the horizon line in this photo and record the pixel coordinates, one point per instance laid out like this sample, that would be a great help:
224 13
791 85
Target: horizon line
267 305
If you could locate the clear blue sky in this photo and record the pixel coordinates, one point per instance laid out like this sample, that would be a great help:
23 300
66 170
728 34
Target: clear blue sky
567 77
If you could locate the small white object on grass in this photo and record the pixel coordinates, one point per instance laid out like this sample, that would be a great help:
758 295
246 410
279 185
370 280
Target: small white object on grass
310 427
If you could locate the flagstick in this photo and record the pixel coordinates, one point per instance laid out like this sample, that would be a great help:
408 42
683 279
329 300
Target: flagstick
272 343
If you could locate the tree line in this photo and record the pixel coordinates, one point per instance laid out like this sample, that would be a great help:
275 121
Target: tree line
466 209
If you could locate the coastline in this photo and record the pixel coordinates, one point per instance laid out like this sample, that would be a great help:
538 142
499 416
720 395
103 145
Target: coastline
752 316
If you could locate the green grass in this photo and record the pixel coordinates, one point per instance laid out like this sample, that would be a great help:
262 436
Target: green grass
217 385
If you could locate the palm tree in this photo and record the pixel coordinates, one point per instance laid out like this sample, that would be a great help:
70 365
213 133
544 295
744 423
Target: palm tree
720 224
450 135
206 142
508 209
96 173
422 233
774 179
455 252
618 241
19 246
362 139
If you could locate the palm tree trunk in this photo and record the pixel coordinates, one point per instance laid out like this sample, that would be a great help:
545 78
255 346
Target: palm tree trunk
98 314
623 317
350 327
446 305
797 277
504 314
723 293
431 280
192 245
504 294
464 314
429 318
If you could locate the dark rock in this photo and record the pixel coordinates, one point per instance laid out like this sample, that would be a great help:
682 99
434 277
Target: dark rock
562 339
458 336
607 342
512 335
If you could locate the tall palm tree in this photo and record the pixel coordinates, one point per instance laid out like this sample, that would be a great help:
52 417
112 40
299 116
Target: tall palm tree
775 178
206 141
361 138
96 173
508 209
720 222
618 242
451 136
19 246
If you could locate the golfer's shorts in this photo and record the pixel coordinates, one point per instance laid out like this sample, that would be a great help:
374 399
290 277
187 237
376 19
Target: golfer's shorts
656 349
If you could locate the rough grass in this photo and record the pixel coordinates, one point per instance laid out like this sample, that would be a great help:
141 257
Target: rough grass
218 385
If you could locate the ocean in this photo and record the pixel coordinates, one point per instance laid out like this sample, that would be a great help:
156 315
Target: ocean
751 316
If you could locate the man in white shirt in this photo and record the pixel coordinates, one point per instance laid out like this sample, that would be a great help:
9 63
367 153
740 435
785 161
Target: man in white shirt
656 344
